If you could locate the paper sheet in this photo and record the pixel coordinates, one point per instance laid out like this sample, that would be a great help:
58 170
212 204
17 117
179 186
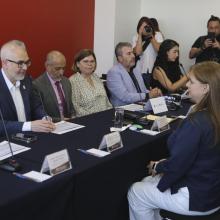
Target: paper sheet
132 107
37 176
64 127
5 151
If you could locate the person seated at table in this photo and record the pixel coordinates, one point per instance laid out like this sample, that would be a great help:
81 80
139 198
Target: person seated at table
166 72
20 110
88 92
124 83
188 181
54 88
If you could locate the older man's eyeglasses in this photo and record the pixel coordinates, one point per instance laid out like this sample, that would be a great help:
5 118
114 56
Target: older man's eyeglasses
21 63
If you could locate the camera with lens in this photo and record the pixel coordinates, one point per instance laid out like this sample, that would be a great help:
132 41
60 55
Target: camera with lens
148 29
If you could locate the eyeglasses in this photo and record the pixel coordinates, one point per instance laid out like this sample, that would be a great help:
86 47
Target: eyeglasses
88 61
21 63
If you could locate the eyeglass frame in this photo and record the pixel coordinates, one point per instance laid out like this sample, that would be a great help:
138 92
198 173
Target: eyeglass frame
21 63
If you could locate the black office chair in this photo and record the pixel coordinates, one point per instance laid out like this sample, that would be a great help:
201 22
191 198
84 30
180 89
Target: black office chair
174 216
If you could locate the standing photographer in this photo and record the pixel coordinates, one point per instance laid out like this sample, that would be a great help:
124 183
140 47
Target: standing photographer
207 47
146 44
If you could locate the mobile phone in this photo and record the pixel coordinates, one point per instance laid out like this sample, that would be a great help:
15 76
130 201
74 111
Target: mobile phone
27 138
211 36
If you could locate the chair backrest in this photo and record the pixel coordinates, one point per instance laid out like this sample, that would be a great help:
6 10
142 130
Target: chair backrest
174 216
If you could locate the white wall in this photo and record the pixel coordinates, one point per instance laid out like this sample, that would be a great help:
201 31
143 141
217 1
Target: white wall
127 14
104 34
115 21
182 21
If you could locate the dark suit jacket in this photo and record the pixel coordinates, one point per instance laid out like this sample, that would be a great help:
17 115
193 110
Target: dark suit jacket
32 105
43 86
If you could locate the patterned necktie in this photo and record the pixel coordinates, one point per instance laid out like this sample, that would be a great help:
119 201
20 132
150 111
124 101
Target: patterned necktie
62 98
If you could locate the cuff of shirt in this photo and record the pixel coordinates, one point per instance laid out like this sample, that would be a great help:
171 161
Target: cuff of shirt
26 126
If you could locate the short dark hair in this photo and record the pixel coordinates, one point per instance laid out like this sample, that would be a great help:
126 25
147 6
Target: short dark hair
119 46
213 18
81 55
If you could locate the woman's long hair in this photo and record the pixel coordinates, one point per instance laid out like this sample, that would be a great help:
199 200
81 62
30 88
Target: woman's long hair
165 46
209 73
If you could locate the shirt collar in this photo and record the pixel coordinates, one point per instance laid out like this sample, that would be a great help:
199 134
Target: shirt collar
9 84
52 80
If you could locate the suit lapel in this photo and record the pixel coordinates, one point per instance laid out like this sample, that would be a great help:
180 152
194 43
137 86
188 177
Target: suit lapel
50 89
64 87
127 79
6 95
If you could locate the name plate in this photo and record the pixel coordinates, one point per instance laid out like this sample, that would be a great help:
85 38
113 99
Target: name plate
161 124
56 163
158 105
111 141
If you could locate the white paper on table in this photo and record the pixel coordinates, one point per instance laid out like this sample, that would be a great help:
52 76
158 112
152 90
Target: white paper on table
112 129
5 151
149 132
132 107
97 152
37 176
65 126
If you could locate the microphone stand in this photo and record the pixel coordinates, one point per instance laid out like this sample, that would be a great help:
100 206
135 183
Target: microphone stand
10 164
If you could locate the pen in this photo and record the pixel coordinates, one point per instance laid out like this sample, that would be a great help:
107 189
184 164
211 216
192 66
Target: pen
19 175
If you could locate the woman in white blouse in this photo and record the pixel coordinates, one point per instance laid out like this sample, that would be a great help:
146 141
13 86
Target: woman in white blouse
88 92
146 44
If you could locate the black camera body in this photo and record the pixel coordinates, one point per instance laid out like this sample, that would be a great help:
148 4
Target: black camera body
211 36
148 29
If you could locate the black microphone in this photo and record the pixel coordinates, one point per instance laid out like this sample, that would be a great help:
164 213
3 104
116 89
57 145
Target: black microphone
47 117
10 164
183 69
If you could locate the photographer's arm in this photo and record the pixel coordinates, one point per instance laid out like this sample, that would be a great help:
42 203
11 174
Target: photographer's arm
155 44
138 49
195 51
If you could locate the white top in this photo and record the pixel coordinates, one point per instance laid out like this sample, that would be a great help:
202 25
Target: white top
148 57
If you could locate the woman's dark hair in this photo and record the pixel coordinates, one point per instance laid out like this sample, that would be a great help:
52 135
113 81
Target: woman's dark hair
155 24
165 46
146 20
80 56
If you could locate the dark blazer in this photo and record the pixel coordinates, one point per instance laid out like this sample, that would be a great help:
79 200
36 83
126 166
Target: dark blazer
32 105
43 86
193 163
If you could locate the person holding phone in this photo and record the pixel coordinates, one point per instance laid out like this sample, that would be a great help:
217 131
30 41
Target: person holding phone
208 47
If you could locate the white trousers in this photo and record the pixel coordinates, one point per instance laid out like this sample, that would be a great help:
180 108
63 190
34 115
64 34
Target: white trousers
145 200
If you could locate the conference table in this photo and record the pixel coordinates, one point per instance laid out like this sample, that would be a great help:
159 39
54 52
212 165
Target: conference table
95 188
